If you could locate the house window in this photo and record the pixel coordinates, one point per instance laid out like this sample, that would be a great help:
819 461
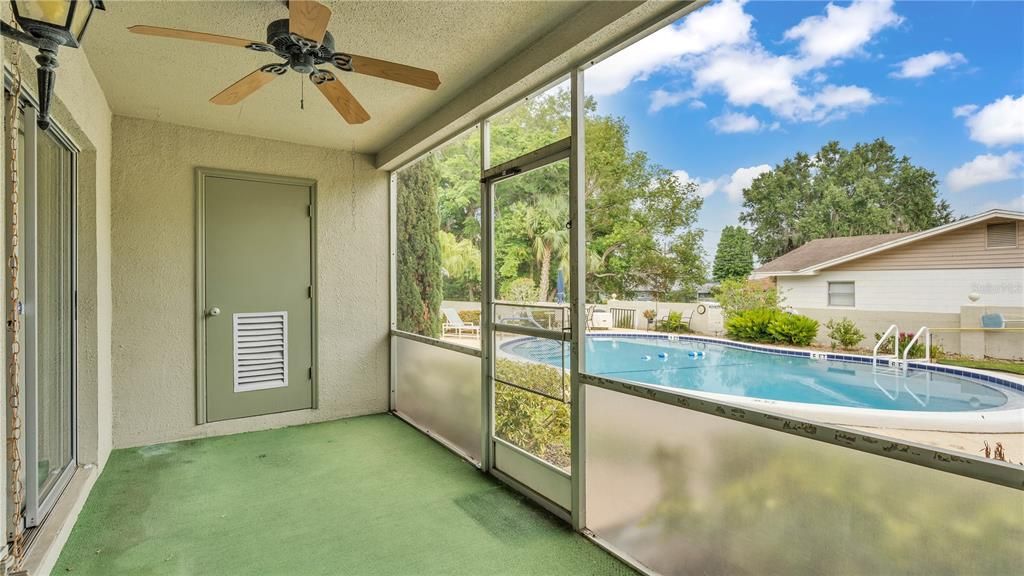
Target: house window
840 294
1002 235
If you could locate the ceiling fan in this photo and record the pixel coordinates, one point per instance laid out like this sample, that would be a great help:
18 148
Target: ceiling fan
303 41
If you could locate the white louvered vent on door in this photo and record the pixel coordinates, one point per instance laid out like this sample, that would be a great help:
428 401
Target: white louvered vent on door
261 350
1002 235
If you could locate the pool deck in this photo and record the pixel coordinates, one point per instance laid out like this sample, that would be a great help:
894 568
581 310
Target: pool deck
965 442
363 496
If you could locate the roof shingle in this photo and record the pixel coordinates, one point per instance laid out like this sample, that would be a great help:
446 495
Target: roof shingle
825 249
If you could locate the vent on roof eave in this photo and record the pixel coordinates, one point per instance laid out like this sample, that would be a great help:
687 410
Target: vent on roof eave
260 342
1002 235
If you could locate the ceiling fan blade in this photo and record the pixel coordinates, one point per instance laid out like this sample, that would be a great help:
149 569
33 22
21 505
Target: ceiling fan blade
308 19
250 83
339 97
388 70
190 35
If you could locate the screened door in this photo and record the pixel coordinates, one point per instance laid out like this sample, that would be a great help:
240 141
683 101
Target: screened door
531 326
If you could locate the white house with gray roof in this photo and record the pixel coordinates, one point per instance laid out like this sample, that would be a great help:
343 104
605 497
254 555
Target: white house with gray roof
972 266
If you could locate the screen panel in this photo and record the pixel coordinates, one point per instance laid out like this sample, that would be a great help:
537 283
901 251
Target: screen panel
439 390
686 492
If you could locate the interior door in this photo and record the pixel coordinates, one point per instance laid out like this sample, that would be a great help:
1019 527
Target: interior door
256 304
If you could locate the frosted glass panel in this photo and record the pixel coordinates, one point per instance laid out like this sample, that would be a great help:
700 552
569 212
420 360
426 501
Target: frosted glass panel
685 492
439 390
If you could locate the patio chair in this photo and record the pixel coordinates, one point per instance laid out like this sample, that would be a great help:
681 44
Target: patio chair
454 323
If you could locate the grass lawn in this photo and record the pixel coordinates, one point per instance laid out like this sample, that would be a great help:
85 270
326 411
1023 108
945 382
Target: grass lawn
998 365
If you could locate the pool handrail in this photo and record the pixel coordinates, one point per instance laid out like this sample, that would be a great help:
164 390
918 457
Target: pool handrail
927 346
895 331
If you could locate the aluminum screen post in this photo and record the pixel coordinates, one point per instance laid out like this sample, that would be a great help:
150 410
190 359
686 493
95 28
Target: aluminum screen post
577 298
486 296
392 287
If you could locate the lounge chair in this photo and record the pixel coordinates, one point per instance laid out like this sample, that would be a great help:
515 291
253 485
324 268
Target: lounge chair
454 323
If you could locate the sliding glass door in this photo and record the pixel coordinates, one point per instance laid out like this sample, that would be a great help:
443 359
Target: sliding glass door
47 312
50 359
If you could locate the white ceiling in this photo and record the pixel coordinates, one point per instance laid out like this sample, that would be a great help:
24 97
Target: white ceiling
172 80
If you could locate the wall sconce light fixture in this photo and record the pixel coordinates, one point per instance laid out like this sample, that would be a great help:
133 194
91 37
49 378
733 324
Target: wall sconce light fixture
47 25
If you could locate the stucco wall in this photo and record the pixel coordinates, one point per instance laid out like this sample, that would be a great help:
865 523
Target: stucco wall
942 291
81 110
153 276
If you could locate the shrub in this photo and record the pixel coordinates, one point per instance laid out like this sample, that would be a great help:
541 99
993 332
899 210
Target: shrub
519 290
844 333
470 316
752 325
535 423
739 294
793 329
770 325
674 323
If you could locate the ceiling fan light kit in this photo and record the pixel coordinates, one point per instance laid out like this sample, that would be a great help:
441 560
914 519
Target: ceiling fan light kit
303 42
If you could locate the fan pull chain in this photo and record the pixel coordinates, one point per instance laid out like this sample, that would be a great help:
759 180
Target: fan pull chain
302 93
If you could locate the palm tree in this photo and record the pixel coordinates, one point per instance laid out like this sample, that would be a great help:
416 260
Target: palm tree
460 259
546 226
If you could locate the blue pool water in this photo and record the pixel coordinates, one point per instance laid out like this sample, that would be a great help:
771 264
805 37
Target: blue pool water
710 367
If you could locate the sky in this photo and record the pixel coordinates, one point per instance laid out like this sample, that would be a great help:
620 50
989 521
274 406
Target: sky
731 90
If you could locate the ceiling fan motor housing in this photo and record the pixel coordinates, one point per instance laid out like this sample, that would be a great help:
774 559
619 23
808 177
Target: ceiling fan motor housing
303 55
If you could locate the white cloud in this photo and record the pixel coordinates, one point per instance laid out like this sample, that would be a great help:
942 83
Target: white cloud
1001 123
926 64
734 122
753 76
750 76
965 110
720 24
842 99
842 31
732 184
792 87
697 105
985 169
704 187
741 179
664 99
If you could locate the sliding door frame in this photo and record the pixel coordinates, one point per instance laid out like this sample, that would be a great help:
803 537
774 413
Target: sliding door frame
37 505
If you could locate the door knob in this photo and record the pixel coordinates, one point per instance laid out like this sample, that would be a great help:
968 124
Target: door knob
214 311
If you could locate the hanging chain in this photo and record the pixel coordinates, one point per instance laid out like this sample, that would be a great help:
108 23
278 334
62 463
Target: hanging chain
17 486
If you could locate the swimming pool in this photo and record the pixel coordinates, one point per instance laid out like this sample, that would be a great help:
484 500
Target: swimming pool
838 391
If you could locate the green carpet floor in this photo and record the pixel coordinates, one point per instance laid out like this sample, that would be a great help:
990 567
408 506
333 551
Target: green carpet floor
363 496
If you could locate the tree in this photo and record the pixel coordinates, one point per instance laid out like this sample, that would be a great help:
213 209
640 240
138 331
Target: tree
460 266
419 252
734 257
839 192
641 219
738 295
